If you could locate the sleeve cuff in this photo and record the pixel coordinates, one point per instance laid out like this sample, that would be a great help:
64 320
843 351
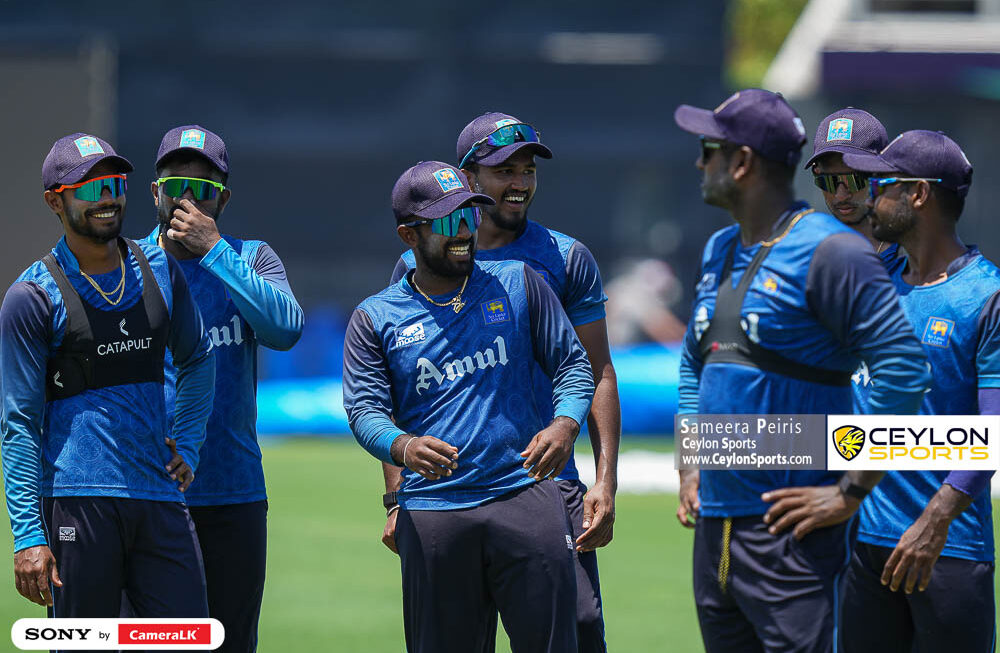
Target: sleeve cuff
214 254
29 541
587 315
575 409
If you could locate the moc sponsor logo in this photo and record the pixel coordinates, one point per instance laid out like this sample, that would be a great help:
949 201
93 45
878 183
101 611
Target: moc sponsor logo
913 442
456 369
67 534
123 346
222 335
411 334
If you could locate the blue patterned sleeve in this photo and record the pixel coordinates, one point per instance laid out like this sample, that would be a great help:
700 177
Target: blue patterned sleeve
261 293
191 349
558 350
25 324
584 301
366 388
690 374
988 349
850 292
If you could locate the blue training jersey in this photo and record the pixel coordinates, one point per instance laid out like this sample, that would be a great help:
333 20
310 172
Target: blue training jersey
820 298
242 290
958 323
463 377
104 441
570 270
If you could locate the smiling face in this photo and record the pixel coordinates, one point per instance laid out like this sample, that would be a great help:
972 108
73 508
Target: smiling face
445 256
850 208
512 186
99 221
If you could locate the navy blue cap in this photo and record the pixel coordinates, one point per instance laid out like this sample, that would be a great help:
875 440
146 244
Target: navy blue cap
846 131
432 189
72 157
759 119
198 140
920 153
482 127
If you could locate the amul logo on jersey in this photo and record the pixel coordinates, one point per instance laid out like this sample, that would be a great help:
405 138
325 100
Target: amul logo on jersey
456 369
222 336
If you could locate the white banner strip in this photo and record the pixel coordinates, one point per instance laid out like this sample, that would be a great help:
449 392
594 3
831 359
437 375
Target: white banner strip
117 634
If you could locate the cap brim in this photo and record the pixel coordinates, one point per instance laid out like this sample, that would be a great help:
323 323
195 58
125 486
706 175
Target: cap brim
507 151
215 164
698 121
84 168
868 163
841 149
448 203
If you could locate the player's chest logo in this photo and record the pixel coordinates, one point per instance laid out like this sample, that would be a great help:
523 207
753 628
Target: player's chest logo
495 311
488 358
938 332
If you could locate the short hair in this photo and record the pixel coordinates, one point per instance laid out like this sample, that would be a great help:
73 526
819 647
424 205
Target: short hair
950 202
182 156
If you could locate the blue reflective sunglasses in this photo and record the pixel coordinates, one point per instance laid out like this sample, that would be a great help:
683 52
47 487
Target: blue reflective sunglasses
876 185
506 135
451 223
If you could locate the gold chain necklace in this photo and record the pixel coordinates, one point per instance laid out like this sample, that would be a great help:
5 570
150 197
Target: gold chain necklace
120 288
455 302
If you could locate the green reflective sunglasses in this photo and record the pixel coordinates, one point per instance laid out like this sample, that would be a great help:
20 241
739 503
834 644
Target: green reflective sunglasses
202 189
451 223
91 190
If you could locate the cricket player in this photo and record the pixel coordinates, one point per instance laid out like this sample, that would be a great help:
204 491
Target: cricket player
93 473
930 531
790 301
242 290
449 353
497 153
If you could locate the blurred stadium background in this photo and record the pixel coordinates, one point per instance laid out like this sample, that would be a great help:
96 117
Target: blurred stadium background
323 104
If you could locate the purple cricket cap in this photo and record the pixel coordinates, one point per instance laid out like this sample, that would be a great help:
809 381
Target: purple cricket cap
485 125
846 131
920 153
72 157
197 139
432 189
760 119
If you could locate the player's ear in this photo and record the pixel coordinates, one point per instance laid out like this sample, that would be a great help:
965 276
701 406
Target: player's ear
921 194
224 199
154 188
54 201
741 162
408 235
471 177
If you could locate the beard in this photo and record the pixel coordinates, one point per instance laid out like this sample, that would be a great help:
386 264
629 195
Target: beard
165 213
439 263
719 190
893 224
80 223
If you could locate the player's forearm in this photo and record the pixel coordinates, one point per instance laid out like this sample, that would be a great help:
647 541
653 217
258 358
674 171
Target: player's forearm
273 314
946 504
193 405
22 471
605 425
393 477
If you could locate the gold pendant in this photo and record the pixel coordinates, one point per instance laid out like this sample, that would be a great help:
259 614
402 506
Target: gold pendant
458 306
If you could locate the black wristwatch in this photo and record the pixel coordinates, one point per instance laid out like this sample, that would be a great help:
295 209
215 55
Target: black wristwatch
388 500
850 489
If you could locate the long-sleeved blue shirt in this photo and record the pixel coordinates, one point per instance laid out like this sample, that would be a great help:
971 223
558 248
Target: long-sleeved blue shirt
104 441
958 323
242 290
821 298
569 268
464 377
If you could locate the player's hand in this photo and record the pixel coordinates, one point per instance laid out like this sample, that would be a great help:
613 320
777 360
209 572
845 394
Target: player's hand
178 469
916 552
428 456
598 517
193 229
550 449
389 532
807 508
687 511
34 569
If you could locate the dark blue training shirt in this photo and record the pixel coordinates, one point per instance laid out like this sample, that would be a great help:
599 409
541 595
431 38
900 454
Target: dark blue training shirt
104 441
821 298
242 290
465 378
570 270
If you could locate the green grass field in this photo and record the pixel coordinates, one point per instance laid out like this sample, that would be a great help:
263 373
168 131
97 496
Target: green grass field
332 586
